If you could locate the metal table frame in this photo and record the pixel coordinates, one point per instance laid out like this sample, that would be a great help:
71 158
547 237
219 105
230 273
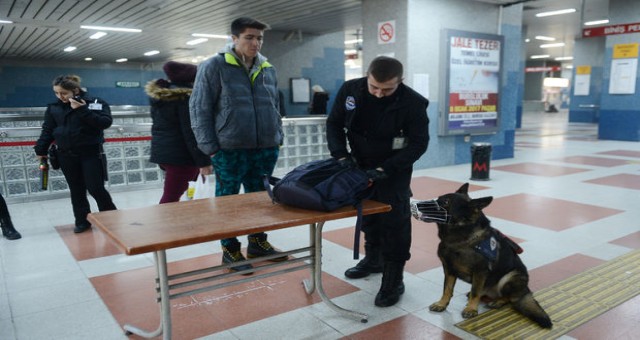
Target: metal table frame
120 226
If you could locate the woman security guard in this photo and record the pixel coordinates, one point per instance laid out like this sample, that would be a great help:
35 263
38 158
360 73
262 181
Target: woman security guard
76 122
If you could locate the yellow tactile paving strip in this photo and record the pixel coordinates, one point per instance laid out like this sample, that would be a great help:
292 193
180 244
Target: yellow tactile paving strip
569 303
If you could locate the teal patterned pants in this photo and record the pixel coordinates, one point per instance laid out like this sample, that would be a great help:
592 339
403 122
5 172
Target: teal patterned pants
245 167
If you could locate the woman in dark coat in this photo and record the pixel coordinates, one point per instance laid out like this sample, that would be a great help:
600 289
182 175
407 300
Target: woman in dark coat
173 145
77 122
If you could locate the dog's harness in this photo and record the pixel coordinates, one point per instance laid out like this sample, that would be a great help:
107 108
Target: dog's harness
488 247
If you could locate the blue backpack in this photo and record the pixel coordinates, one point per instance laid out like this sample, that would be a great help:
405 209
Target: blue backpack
323 185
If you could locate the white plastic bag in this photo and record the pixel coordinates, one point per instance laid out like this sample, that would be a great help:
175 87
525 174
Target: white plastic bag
188 194
204 188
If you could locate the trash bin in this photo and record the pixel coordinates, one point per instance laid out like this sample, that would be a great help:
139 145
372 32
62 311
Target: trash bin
480 161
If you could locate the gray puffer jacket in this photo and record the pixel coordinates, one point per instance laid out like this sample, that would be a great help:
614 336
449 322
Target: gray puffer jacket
231 108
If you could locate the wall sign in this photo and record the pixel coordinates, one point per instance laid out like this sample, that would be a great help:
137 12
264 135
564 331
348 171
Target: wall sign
127 84
542 69
387 32
300 90
582 80
610 30
472 82
624 67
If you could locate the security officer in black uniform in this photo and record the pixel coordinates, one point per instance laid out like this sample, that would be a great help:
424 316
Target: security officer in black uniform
385 124
76 122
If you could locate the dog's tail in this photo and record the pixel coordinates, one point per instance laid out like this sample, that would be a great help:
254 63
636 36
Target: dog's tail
530 308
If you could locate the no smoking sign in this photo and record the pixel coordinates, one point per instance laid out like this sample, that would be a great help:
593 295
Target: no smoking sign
387 32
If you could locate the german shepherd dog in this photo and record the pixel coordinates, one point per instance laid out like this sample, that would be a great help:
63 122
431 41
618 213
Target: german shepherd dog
473 251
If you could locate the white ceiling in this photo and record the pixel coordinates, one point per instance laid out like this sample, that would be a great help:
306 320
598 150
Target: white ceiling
42 28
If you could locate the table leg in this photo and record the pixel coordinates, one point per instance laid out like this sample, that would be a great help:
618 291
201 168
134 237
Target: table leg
318 279
160 260
310 285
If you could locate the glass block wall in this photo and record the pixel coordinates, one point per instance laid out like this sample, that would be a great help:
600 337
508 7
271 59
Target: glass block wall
127 149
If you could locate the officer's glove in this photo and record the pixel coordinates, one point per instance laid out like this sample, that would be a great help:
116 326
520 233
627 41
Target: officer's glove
375 175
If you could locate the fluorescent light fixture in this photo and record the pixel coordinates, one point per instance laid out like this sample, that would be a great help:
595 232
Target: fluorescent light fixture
121 60
116 29
197 41
215 36
596 22
353 41
352 51
569 67
150 53
6 22
542 37
555 82
98 35
540 56
552 45
527 40
558 12
564 58
88 59
70 48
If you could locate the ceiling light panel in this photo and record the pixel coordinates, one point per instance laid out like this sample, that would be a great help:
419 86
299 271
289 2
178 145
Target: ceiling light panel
596 22
558 12
197 41
98 35
115 29
540 56
552 45
215 36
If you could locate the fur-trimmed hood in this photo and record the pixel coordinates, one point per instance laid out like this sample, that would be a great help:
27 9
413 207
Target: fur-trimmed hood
158 92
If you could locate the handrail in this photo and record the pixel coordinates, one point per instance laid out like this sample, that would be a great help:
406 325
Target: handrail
589 106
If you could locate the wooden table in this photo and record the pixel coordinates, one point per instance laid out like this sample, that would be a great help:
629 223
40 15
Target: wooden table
160 227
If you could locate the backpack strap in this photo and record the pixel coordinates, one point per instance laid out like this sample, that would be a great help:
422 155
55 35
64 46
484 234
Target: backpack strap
268 181
356 237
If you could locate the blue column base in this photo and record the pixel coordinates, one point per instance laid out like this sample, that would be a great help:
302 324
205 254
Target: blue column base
583 116
619 125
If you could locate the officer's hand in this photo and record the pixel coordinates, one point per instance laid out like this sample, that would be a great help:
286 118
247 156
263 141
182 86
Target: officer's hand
376 174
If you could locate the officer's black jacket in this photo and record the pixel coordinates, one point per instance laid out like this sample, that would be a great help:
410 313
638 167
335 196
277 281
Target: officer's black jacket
405 117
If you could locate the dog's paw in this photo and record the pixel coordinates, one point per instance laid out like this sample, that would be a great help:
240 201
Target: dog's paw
469 313
436 307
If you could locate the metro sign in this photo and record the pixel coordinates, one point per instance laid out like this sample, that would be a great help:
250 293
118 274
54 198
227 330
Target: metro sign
611 30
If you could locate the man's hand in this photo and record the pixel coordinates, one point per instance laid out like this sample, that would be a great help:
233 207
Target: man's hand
206 170
376 174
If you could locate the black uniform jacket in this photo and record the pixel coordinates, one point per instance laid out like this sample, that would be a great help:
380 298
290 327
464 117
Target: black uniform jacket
405 118
172 140
75 130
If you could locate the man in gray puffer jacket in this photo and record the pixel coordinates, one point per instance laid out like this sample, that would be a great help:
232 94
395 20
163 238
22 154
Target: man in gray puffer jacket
235 117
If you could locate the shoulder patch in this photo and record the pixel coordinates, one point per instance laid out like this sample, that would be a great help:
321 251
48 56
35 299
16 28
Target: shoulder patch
350 103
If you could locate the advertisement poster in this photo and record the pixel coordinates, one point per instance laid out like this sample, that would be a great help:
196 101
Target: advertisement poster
473 82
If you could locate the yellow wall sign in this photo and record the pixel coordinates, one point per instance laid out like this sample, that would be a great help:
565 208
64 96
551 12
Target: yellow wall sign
583 69
625 51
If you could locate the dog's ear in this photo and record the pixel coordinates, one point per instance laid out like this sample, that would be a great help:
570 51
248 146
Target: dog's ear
481 203
463 189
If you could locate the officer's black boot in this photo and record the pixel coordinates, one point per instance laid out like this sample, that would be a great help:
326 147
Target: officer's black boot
8 230
392 286
371 263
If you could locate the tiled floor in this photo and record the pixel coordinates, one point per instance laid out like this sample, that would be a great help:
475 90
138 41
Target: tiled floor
569 199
